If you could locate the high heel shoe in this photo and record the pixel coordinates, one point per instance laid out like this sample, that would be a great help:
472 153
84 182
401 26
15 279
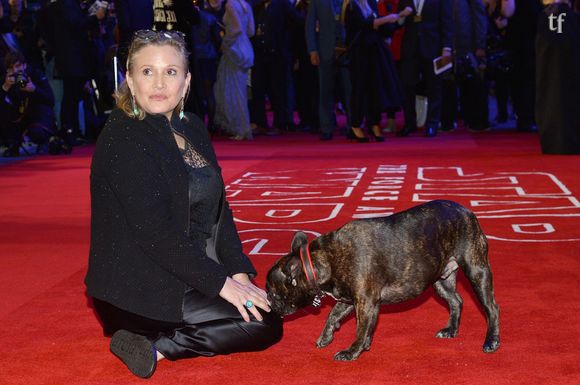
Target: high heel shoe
377 137
351 134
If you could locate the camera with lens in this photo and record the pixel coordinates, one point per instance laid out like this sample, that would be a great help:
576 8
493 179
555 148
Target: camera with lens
20 79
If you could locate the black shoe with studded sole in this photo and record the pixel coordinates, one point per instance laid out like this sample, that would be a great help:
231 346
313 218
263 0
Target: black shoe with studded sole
136 351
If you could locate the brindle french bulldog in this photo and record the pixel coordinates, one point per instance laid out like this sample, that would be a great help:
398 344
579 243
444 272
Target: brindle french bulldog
387 260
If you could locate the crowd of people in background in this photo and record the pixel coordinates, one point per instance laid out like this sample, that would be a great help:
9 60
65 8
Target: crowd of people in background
304 60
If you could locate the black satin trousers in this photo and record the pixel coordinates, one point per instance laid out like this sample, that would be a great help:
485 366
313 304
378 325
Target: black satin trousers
210 326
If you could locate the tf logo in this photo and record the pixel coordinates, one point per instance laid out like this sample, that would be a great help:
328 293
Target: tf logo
559 21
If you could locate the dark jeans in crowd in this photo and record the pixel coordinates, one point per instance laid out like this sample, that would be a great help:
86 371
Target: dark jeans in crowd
469 96
414 70
73 88
271 77
306 86
523 87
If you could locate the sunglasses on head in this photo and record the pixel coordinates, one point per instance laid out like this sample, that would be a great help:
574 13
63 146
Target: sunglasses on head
147 34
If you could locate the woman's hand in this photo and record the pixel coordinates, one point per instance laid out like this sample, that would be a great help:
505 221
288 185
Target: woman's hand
406 12
392 18
314 58
501 22
238 290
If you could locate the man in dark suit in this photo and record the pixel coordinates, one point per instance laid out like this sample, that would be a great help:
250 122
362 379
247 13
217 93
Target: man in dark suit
271 74
323 32
469 43
73 60
428 34
132 16
520 40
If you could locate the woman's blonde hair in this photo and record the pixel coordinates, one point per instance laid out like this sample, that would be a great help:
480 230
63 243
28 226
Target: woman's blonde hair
141 39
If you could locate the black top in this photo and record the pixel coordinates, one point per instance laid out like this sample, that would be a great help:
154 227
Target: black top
143 253
205 190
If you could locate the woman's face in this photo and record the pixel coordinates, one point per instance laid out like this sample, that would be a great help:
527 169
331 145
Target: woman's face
158 79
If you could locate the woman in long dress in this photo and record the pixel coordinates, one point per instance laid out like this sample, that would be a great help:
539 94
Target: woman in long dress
374 77
232 113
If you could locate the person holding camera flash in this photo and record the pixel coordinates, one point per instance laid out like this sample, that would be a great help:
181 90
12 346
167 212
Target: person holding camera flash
466 90
26 102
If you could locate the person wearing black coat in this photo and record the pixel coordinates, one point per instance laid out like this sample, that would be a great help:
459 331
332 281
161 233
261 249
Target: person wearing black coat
374 77
520 41
305 74
167 273
428 34
469 44
271 73
74 61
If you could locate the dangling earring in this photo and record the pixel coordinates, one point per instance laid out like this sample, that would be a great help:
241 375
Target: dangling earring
181 114
135 109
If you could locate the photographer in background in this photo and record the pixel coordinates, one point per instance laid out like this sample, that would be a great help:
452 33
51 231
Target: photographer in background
26 102
469 42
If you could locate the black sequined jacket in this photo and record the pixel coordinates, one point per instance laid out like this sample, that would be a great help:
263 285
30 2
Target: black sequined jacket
142 256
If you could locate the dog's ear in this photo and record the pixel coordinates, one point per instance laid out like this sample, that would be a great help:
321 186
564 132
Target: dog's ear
299 239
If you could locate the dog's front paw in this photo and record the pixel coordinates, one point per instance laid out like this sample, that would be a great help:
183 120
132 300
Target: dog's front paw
346 355
446 333
491 344
324 340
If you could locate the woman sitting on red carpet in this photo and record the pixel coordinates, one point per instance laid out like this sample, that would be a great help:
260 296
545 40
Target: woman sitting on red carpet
167 273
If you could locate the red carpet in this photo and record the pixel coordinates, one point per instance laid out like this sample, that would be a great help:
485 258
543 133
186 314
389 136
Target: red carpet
527 204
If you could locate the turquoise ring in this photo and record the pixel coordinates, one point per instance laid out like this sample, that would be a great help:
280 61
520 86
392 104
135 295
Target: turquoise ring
249 304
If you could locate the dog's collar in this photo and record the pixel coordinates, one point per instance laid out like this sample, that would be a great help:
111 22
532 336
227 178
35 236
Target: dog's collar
310 273
307 265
